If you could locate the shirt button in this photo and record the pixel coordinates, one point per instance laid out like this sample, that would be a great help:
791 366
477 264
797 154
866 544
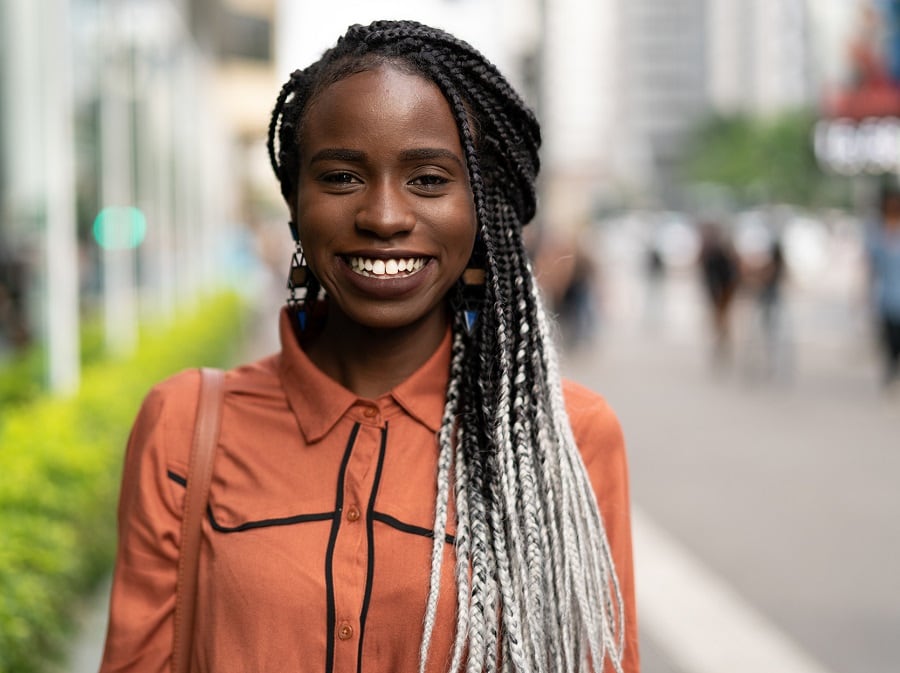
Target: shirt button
345 631
370 412
353 513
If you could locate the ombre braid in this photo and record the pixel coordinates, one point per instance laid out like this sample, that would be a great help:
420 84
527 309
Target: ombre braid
535 583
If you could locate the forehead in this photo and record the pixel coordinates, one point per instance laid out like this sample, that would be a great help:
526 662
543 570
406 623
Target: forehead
381 105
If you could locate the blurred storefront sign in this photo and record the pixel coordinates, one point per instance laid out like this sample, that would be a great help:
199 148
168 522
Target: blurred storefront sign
859 132
850 147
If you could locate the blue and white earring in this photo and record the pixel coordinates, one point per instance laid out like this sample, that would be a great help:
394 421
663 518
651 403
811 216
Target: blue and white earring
472 286
302 285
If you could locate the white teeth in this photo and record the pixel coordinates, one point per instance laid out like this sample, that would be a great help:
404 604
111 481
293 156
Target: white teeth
386 267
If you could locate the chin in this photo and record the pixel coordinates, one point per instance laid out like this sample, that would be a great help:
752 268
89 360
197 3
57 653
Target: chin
398 320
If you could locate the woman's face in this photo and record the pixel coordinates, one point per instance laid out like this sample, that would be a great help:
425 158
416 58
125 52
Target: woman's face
383 205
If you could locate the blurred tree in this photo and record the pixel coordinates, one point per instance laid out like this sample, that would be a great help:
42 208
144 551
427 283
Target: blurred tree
762 159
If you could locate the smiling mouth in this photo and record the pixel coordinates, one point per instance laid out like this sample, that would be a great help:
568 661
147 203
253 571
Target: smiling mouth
386 268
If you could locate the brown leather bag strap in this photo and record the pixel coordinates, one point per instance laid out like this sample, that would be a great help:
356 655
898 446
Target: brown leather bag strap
203 449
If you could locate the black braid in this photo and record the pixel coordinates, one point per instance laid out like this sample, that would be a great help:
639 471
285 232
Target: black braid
505 427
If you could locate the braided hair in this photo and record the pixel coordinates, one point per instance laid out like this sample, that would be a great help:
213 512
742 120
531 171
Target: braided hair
536 587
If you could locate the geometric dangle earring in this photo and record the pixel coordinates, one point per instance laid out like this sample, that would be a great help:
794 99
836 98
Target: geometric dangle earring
302 285
471 290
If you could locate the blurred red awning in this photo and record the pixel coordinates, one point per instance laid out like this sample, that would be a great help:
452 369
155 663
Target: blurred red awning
857 104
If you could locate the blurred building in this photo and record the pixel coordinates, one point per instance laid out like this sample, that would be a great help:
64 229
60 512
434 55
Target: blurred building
627 81
504 30
665 78
624 83
580 86
122 131
760 56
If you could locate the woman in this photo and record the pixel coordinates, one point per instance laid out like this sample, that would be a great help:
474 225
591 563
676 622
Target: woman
399 488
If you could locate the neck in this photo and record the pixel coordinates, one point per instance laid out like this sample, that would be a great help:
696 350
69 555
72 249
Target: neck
368 361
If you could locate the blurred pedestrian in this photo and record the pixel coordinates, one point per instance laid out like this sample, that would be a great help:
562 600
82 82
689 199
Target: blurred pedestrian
554 265
764 276
884 265
578 312
568 276
654 283
407 485
771 277
720 273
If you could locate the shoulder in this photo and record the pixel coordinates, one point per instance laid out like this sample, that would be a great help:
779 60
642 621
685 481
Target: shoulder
176 397
167 415
169 410
588 411
175 390
595 426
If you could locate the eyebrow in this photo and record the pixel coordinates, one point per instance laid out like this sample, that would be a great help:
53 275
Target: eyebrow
430 153
338 154
356 156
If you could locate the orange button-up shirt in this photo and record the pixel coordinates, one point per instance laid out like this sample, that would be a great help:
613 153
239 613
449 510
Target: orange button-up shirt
317 551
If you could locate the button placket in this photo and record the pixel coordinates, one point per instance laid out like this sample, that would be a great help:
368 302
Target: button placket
351 545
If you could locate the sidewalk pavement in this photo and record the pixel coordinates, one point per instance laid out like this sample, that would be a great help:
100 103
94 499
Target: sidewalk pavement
780 491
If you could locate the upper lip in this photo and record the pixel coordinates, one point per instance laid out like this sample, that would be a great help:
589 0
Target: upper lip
387 254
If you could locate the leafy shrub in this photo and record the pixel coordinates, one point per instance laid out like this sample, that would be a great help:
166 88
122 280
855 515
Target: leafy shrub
23 375
60 465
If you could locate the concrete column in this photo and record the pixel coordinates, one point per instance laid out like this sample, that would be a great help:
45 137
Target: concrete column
61 251
117 179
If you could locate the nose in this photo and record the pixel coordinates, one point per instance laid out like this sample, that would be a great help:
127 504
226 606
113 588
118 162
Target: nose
385 211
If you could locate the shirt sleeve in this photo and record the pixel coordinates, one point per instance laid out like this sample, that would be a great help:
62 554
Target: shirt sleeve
602 445
142 601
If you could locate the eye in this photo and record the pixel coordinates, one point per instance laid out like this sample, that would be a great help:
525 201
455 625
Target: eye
429 182
339 178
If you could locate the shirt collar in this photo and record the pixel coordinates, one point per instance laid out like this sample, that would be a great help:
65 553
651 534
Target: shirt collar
319 401
423 394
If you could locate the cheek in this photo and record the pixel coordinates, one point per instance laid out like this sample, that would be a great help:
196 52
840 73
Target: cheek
315 243
315 223
459 239
468 233
462 256
315 247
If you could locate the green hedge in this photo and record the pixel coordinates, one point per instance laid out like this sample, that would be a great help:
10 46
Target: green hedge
23 376
60 463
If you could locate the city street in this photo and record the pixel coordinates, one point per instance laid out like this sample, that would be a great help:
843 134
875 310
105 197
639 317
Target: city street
753 144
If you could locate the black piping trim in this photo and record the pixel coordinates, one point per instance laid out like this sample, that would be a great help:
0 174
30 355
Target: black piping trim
408 527
370 533
266 523
329 554
177 478
250 525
